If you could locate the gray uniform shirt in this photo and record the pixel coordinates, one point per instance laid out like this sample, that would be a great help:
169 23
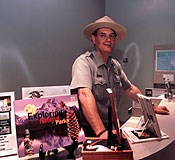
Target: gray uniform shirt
90 71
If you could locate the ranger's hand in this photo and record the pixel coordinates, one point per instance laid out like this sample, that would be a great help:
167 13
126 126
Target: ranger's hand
161 110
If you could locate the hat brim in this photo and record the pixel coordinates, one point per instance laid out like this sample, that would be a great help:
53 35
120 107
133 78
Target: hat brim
119 29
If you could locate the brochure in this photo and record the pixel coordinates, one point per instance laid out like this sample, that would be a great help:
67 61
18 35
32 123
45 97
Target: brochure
8 143
138 136
47 123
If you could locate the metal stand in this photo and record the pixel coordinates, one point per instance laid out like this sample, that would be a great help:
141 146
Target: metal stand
143 125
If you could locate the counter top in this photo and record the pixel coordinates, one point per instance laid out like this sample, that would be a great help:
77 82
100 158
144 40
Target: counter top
156 149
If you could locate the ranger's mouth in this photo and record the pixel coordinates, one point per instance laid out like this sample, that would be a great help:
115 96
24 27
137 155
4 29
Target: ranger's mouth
108 44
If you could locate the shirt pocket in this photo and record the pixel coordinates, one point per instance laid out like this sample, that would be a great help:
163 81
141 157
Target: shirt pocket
99 81
99 90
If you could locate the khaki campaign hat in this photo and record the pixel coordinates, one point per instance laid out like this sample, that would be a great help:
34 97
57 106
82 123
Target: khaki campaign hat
105 22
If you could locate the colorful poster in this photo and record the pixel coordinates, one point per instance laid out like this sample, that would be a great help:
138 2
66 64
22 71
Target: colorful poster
8 143
50 122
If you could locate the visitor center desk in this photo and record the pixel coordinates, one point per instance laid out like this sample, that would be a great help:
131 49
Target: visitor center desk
156 150
150 150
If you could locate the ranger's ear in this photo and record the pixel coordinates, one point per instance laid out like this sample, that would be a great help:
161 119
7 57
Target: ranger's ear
93 39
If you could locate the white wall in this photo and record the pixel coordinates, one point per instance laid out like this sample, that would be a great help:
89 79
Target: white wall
149 23
39 40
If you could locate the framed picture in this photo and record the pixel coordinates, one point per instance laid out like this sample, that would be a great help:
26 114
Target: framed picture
45 91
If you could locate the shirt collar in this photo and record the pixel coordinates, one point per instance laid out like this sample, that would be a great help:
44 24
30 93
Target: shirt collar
99 61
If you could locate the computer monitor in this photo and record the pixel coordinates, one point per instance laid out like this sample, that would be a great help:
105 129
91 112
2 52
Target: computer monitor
164 65
150 120
165 60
